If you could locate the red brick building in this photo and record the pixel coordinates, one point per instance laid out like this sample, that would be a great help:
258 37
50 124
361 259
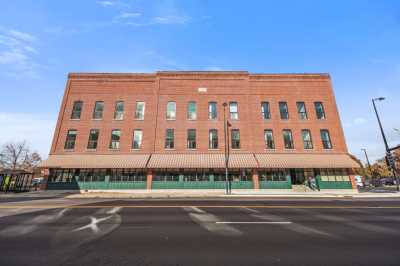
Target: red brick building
166 130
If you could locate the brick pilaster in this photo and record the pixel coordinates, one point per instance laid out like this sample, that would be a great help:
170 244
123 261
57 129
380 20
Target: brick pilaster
149 179
256 184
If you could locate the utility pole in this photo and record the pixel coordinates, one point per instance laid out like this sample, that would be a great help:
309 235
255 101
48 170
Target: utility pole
368 163
227 188
389 156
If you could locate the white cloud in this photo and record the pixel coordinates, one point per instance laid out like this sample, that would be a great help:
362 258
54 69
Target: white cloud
17 51
113 3
36 129
171 19
23 36
129 15
106 3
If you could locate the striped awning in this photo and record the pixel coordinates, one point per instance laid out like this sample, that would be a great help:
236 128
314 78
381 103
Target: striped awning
201 161
96 161
302 160
186 161
242 160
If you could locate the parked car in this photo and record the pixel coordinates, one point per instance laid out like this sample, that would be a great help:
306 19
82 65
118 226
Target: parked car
388 181
37 181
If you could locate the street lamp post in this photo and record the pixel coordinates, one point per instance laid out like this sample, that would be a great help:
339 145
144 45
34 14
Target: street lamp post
388 150
227 188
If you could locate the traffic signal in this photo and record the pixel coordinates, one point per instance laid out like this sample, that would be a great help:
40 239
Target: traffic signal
390 161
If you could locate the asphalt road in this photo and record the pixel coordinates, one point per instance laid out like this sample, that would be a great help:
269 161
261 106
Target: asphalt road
200 232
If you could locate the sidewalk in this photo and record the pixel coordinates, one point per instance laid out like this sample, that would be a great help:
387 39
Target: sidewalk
204 193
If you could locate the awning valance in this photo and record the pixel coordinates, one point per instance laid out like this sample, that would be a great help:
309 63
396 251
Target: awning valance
216 160
303 160
186 161
96 161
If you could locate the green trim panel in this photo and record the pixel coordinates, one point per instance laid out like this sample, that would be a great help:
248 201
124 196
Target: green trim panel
200 185
95 185
275 185
335 185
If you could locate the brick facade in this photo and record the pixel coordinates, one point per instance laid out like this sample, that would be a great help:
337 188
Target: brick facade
248 90
201 167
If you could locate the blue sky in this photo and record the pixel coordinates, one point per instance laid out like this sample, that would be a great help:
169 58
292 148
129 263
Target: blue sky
357 42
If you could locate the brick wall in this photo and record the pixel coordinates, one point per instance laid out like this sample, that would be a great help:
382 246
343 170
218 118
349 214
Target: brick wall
157 89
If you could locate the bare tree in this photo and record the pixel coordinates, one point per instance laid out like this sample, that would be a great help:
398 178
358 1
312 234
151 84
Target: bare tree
17 156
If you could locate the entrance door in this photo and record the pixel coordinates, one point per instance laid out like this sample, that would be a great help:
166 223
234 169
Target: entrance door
297 176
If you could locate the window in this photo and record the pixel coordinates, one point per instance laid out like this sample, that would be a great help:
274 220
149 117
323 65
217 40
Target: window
269 139
191 111
139 112
93 138
169 138
98 110
212 110
288 139
265 111
301 110
233 109
191 138
77 110
235 137
326 139
213 139
70 141
283 109
307 141
119 110
115 138
171 111
137 139
319 110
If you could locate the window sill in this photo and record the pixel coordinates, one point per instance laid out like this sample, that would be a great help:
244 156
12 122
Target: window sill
138 119
97 119
170 119
266 149
188 149
217 149
113 149
91 150
117 119
69 150
74 119
136 149
169 149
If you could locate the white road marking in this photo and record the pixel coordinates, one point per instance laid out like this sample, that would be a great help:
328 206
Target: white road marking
251 210
359 225
209 222
114 210
253 222
351 223
193 209
93 224
302 229
31 225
